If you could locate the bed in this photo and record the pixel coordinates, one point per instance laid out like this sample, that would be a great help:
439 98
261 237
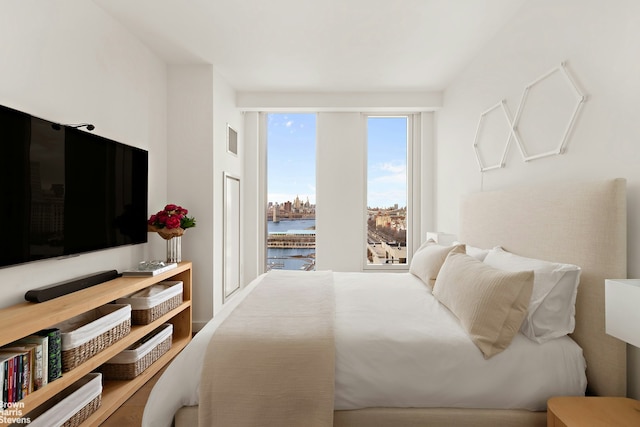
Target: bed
579 224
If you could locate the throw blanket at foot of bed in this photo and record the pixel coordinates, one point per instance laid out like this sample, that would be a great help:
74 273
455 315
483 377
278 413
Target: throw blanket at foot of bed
271 363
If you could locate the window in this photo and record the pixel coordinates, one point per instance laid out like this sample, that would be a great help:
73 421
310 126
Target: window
388 191
291 181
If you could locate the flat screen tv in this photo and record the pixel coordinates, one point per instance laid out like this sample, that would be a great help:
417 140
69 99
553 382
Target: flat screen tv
67 191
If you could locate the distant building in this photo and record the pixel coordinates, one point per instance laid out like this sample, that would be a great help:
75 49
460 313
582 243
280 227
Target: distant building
290 210
292 239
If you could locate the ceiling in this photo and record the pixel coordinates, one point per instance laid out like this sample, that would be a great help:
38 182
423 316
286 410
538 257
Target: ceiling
319 45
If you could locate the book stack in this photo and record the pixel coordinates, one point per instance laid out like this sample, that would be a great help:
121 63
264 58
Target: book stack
149 268
29 364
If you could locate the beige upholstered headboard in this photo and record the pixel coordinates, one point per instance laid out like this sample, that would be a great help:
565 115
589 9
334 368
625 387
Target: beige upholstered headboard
583 224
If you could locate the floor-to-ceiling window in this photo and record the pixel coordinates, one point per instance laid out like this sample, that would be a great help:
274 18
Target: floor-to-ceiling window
291 195
388 187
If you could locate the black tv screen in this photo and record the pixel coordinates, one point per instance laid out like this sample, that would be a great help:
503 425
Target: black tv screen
67 191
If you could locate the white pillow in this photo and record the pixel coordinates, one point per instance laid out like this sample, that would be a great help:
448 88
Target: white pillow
426 262
477 253
555 286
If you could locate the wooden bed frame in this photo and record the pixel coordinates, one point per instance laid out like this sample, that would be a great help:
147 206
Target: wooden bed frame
579 223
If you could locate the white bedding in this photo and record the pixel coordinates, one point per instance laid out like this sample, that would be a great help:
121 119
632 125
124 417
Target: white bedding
397 346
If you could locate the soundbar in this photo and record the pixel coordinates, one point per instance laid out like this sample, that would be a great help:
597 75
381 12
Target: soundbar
56 290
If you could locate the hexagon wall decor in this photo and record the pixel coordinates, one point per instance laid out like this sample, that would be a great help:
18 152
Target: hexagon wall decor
497 120
570 109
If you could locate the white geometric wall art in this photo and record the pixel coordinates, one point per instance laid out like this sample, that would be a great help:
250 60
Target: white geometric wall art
546 114
493 136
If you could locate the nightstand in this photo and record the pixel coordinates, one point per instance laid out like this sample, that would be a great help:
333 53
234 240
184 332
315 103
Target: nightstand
570 411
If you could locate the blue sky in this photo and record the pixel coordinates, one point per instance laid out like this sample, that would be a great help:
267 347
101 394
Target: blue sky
387 161
291 157
291 167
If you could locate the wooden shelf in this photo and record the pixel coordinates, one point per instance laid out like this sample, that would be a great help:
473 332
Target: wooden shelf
115 393
28 318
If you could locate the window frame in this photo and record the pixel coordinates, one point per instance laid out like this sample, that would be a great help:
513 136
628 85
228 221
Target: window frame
263 250
413 139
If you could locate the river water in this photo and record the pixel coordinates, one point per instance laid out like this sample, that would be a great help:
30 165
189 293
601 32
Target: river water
291 259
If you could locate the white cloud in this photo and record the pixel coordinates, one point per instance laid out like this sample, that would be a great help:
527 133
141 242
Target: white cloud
388 173
397 178
393 167
387 184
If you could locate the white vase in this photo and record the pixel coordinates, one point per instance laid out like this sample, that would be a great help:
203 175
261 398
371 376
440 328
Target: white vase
174 249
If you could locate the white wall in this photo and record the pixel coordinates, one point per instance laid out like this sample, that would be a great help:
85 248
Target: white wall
189 173
599 42
341 188
254 187
426 178
69 62
224 112
340 199
201 104
339 101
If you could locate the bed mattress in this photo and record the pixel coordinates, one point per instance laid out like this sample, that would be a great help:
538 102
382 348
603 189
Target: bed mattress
397 346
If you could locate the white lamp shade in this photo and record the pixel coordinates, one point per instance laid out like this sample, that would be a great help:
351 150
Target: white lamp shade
622 309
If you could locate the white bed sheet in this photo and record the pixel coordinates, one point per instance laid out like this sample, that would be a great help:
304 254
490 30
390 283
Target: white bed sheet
396 346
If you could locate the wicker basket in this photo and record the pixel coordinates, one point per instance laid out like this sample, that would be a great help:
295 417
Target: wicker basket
153 302
133 361
86 335
84 413
71 407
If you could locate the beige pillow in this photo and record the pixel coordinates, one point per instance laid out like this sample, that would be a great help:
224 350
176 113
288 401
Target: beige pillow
426 262
490 303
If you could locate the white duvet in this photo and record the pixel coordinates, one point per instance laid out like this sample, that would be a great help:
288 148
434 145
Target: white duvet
397 346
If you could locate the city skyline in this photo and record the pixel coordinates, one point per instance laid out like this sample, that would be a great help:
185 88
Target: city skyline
291 166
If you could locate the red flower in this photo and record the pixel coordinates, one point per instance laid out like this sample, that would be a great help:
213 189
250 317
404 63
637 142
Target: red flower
172 217
172 222
162 217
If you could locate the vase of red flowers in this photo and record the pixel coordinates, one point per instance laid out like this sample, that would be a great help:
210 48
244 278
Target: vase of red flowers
170 223
174 249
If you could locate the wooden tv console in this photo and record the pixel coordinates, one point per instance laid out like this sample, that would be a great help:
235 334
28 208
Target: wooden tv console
28 318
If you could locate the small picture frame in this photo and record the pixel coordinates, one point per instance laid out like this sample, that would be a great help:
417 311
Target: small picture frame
232 140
